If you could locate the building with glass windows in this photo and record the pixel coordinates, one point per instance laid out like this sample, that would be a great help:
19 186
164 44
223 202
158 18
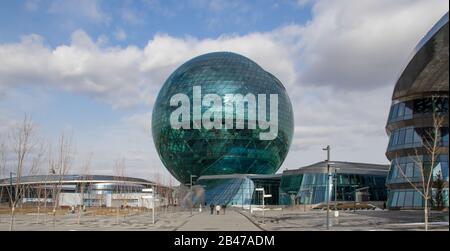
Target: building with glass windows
239 189
306 185
87 190
349 181
196 152
419 102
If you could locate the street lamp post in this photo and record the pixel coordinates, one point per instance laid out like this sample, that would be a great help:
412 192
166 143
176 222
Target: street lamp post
263 195
335 187
154 206
152 195
357 190
328 185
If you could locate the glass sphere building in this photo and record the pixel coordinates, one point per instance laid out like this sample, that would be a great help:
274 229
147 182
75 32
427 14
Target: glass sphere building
420 99
188 153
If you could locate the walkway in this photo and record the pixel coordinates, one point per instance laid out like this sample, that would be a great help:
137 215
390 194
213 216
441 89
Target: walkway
231 221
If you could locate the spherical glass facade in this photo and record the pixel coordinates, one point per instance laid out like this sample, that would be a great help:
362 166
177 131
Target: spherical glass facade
200 151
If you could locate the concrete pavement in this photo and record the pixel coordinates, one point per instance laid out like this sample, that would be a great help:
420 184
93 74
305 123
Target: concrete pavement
231 221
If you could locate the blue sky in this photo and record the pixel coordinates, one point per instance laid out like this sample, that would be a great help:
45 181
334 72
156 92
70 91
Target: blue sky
93 68
142 19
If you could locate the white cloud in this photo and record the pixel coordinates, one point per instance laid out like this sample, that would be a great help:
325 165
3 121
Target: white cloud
32 5
363 44
303 3
120 34
80 9
126 76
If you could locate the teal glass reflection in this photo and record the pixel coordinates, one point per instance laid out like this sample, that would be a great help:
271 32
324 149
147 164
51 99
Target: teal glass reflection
200 152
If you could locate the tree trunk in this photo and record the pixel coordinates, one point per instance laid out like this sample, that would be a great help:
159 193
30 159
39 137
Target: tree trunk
38 213
45 209
426 214
54 217
11 224
80 210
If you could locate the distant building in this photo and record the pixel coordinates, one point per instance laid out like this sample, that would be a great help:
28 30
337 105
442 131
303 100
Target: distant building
421 92
87 190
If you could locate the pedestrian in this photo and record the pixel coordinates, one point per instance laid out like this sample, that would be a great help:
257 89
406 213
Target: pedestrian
384 205
211 206
218 209
224 207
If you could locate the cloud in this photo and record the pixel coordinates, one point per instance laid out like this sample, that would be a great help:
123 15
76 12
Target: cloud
120 34
127 76
79 9
32 5
139 121
303 3
363 44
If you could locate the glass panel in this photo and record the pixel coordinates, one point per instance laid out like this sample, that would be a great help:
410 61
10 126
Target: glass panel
401 137
394 113
408 109
409 136
409 170
401 198
401 109
417 199
394 199
409 199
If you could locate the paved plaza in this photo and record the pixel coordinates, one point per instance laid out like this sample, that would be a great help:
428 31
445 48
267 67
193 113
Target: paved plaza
359 220
233 220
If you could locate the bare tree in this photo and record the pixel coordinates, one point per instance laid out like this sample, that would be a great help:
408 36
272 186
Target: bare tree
35 170
47 191
22 145
431 144
2 169
84 173
119 173
60 166
41 194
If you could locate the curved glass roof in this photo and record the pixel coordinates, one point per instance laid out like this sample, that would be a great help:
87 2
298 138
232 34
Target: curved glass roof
73 178
427 70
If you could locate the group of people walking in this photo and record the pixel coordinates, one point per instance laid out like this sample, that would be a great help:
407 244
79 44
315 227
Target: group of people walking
218 208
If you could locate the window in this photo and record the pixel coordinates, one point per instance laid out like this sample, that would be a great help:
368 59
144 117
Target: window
408 109
394 140
409 134
417 200
409 170
401 198
409 199
444 135
417 137
394 199
402 172
401 109
401 137
395 111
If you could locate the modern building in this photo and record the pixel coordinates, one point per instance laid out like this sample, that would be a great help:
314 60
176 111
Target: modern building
232 148
307 185
239 189
87 190
349 181
419 109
